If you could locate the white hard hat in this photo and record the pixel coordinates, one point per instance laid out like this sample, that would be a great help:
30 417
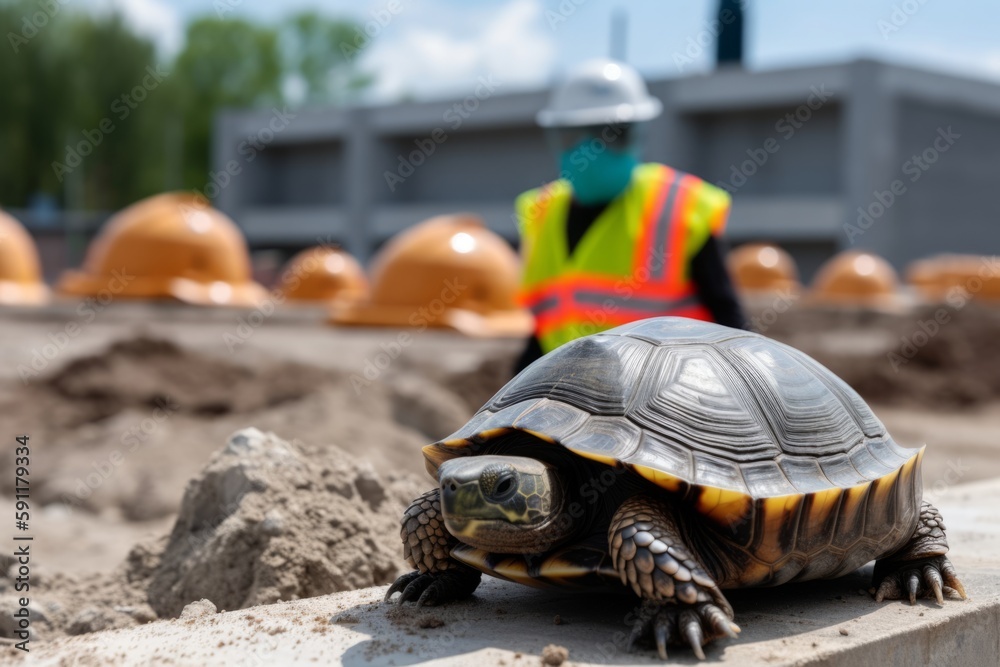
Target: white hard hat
597 92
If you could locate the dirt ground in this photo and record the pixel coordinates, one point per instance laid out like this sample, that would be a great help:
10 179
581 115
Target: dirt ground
130 407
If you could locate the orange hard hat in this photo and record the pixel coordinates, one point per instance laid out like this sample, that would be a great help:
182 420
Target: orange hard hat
935 277
20 271
449 271
757 267
172 245
323 274
855 278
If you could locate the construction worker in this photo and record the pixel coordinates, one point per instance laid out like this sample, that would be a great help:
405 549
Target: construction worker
614 240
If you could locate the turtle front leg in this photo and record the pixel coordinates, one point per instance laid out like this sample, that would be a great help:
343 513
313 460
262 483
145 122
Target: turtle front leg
427 546
681 602
920 568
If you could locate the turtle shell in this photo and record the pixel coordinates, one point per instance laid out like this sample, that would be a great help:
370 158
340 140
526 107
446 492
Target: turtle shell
763 441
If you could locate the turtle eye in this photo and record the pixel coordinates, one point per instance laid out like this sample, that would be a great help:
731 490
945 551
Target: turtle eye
504 486
500 485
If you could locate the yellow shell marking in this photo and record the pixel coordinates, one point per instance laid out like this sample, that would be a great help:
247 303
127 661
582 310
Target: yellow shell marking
754 573
778 511
560 568
434 456
513 568
606 460
516 570
911 468
472 557
660 478
883 486
823 504
853 497
722 505
540 436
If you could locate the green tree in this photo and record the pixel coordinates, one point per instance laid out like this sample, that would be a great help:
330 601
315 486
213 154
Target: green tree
224 63
58 126
321 53
85 83
118 102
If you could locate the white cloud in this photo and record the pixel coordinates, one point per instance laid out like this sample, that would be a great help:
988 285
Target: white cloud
430 51
154 19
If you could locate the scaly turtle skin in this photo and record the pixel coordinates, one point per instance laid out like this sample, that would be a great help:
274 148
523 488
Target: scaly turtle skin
678 459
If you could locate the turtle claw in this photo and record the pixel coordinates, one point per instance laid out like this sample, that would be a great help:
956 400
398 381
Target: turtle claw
931 577
429 589
663 632
400 584
678 625
691 628
417 590
912 586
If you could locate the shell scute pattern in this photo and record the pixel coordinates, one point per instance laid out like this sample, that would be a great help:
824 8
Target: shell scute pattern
688 396
758 403
783 457
803 414
703 404
593 373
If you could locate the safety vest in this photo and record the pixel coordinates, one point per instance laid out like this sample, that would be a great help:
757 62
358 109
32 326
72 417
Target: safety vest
633 261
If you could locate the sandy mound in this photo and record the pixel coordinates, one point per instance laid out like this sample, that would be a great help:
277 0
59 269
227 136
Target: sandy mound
904 359
151 372
957 366
429 408
475 385
125 428
266 520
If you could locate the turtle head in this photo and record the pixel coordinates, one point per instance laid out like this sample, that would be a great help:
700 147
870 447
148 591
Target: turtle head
503 504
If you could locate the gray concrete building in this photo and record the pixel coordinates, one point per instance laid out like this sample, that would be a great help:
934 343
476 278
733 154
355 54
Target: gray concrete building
896 160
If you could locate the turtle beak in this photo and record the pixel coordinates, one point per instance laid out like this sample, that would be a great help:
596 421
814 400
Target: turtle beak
453 499
459 489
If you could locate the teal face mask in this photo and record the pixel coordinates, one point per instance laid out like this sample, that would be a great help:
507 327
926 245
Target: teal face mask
598 177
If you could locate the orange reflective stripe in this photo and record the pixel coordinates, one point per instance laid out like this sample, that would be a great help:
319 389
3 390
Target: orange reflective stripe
615 288
554 321
580 299
652 217
656 261
676 260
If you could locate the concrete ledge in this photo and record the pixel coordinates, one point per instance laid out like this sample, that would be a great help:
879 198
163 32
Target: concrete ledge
506 624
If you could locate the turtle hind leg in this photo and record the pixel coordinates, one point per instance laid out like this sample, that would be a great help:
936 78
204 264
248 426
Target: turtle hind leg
427 545
920 568
681 602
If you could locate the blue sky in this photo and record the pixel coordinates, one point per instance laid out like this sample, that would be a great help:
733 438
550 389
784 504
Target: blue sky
434 48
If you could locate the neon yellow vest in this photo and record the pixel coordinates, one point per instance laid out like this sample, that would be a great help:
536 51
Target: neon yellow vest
630 264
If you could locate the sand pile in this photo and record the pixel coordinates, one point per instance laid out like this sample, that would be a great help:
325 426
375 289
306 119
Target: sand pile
431 409
953 364
266 520
912 359
146 371
125 428
473 384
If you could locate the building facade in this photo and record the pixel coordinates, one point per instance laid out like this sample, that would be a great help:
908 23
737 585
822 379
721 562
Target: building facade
895 160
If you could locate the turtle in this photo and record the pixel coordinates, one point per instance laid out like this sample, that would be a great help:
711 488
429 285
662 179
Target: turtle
674 459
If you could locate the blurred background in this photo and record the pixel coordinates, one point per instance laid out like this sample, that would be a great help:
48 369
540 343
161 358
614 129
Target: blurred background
183 88
240 213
